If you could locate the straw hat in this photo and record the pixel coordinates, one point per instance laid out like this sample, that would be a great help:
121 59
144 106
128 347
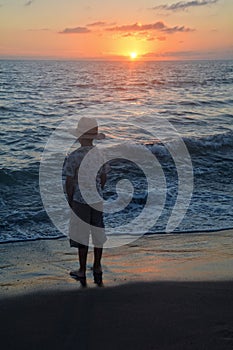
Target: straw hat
88 128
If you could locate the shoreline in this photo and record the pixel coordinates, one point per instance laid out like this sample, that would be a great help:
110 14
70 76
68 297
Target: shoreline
209 231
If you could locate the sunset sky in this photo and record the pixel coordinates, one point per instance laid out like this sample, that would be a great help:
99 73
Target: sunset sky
105 29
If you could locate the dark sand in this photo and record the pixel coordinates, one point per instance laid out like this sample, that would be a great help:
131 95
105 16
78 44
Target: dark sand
161 292
163 315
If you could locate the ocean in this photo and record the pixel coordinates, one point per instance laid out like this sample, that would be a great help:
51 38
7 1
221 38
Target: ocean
156 106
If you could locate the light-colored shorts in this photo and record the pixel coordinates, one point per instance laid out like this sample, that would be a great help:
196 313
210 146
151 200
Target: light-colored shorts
86 221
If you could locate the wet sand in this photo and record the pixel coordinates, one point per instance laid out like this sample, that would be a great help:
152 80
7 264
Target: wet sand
45 264
161 292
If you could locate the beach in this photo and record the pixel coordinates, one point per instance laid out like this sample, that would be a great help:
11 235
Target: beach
160 292
124 108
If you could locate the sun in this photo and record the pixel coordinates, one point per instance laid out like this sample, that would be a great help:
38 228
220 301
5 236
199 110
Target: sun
133 55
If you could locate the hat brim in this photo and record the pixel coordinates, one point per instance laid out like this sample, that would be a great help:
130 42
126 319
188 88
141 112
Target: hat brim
98 136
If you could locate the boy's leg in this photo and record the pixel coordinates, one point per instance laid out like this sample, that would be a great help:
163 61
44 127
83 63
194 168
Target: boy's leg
80 233
98 234
80 274
98 239
82 253
97 259
97 270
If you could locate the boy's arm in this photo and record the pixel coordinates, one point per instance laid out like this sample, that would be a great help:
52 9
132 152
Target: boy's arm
70 189
103 178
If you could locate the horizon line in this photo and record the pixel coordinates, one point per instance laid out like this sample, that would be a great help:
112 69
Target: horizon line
119 59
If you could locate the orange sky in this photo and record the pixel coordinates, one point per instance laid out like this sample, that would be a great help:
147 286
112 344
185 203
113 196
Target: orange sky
154 29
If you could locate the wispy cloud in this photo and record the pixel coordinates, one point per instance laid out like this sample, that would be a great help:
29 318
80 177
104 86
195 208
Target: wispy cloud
77 30
172 54
135 29
184 5
97 24
157 26
161 38
40 30
29 2
100 24
212 54
126 35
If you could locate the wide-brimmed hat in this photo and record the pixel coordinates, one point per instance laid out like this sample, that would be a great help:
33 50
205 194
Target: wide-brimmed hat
86 126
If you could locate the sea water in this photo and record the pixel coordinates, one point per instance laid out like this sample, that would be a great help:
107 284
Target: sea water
131 101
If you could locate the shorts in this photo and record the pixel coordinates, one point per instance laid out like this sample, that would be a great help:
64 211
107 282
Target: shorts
86 221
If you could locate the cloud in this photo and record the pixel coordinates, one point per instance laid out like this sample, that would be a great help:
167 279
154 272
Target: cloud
135 29
202 54
179 54
29 2
161 38
178 29
184 5
100 24
40 30
77 30
97 24
159 26
174 54
127 35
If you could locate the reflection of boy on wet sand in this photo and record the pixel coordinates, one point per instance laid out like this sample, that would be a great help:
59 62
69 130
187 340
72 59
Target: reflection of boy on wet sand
85 220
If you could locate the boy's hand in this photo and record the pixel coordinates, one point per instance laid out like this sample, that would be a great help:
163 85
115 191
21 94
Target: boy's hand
70 189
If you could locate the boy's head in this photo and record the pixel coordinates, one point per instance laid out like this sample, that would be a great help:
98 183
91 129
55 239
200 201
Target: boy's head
87 129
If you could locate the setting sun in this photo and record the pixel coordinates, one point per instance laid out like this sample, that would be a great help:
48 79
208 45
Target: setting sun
133 55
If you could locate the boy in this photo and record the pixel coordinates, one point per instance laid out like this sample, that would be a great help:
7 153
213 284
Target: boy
84 218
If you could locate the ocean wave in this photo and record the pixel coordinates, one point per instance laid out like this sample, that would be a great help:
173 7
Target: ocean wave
20 176
210 142
195 145
5 109
210 102
221 141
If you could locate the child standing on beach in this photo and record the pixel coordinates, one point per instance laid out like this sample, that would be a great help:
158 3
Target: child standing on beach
86 218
